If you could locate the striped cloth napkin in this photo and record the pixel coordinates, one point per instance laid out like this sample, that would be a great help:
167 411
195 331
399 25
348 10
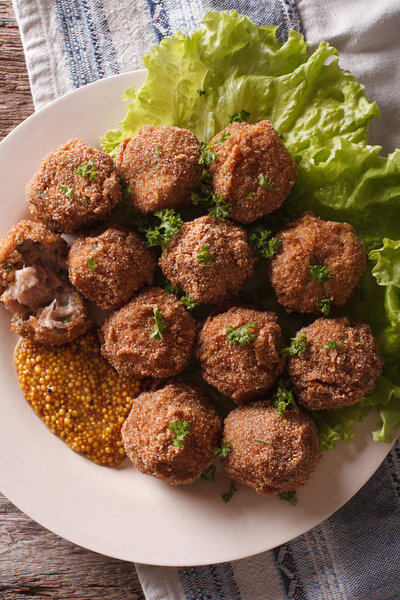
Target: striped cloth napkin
68 43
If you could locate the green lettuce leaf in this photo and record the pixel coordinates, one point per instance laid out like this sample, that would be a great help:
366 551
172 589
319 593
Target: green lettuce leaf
322 116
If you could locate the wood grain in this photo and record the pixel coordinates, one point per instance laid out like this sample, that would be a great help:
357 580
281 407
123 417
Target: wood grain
34 563
15 95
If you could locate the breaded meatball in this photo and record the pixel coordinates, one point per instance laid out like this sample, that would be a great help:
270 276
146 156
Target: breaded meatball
109 266
269 452
171 433
317 260
75 186
160 165
340 365
244 367
209 259
152 336
253 170
35 286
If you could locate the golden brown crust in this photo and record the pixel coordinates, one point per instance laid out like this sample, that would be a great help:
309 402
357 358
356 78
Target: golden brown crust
312 241
149 443
127 344
92 199
120 265
241 372
287 457
231 259
334 377
160 165
252 150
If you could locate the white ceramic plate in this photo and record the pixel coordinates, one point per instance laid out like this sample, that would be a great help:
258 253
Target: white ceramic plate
121 512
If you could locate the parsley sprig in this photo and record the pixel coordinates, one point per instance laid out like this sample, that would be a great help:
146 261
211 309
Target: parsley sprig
224 451
208 474
203 195
87 169
91 263
261 240
204 255
180 430
241 336
283 397
221 208
188 302
68 191
319 273
324 305
170 224
332 345
227 496
289 497
239 116
266 184
159 324
297 346
206 156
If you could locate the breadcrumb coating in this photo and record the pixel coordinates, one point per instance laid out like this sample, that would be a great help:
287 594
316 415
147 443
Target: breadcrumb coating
253 170
340 365
310 241
269 452
246 371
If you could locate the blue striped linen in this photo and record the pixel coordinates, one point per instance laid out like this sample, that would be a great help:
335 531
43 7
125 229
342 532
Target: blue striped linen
352 555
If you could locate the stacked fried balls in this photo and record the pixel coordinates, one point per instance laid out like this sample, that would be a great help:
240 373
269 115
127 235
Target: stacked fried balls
245 173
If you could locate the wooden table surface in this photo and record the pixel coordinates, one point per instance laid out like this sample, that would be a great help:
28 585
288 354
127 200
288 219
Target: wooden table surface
34 563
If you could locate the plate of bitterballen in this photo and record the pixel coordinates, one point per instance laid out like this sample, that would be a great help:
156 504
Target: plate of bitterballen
194 304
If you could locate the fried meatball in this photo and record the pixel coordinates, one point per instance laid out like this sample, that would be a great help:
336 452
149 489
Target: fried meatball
253 170
36 288
160 165
332 251
241 371
152 336
171 433
109 266
209 259
340 365
75 186
269 452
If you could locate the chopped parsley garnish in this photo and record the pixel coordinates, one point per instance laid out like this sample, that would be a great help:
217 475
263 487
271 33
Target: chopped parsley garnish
180 429
159 324
84 201
319 274
171 289
239 116
69 192
158 150
202 190
170 223
332 345
126 192
241 335
201 92
188 302
262 440
289 497
208 474
224 451
221 208
227 496
91 264
206 156
250 196
204 255
261 240
298 345
324 305
266 184
283 397
87 169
